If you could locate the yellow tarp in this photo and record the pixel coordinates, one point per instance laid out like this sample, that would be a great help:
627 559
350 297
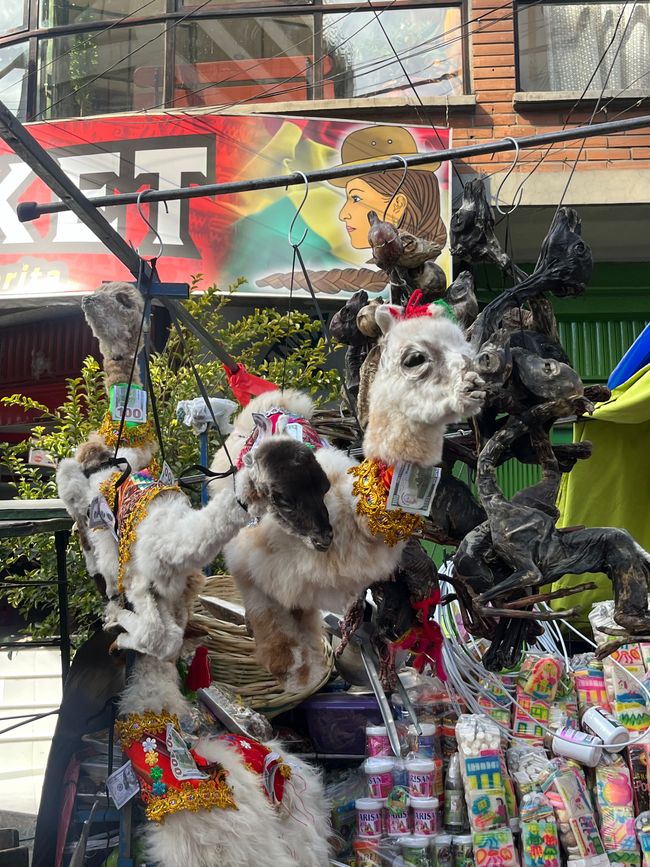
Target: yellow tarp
612 488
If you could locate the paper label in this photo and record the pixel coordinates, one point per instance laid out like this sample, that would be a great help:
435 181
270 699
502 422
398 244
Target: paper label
182 762
123 785
413 488
166 475
40 458
100 515
136 412
294 430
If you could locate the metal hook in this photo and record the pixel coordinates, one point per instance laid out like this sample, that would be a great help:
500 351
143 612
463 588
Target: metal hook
399 187
297 214
519 192
138 203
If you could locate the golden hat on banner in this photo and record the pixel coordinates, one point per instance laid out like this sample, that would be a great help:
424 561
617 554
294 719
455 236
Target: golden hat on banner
378 143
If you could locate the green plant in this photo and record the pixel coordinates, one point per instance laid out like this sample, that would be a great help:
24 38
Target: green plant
59 432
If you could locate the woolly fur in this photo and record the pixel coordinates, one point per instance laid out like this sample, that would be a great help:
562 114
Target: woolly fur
256 834
173 542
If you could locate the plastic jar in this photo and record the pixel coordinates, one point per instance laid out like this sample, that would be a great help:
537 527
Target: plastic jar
424 744
379 774
415 850
369 816
397 818
420 777
425 815
442 847
366 851
463 850
579 746
597 721
377 742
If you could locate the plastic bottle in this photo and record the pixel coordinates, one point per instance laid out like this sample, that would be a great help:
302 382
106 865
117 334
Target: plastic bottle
455 820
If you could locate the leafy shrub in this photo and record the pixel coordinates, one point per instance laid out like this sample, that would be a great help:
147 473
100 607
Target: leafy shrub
280 347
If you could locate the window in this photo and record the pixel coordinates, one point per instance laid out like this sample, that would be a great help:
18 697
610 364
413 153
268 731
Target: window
561 44
315 56
14 78
59 13
86 73
294 51
13 16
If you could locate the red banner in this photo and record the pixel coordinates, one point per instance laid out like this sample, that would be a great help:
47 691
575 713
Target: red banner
223 239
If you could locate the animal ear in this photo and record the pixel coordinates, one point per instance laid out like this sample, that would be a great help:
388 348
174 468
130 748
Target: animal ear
386 316
263 425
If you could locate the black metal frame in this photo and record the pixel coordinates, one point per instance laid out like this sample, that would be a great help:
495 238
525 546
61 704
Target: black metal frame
34 33
60 529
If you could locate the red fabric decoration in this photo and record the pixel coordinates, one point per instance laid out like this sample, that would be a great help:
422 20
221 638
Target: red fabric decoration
245 385
310 435
199 676
271 769
424 641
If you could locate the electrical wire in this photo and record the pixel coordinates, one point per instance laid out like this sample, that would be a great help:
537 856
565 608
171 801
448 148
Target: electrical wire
28 75
467 675
86 84
213 132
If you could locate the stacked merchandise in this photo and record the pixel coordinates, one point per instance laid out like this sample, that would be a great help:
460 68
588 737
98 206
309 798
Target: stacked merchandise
550 769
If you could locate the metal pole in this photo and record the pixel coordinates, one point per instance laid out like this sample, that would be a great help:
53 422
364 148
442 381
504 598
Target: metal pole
28 211
44 166
61 538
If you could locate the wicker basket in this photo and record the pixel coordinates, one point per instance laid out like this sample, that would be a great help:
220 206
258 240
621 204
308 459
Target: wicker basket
232 656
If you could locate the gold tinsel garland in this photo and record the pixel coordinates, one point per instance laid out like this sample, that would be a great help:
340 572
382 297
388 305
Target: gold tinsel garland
129 524
134 436
205 796
136 725
371 492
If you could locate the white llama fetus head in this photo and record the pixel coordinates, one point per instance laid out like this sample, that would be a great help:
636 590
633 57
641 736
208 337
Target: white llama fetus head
425 380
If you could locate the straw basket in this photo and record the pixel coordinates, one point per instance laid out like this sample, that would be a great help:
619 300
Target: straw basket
232 655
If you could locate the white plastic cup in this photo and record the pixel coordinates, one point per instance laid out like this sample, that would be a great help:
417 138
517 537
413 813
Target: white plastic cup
597 721
369 816
420 774
425 815
377 742
577 745
379 774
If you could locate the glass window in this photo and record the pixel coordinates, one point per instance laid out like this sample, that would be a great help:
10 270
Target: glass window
13 15
244 59
84 74
54 13
561 44
360 62
290 58
14 78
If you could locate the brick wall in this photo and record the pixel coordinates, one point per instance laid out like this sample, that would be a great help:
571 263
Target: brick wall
492 60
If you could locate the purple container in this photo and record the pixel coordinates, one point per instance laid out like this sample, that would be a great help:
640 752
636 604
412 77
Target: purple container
337 721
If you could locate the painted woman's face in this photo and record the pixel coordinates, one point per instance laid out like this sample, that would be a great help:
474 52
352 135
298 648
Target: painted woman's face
361 198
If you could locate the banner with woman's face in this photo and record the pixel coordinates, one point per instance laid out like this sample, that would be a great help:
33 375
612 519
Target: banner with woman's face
229 237
336 213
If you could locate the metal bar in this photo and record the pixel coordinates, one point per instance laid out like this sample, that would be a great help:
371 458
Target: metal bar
28 211
61 539
44 166
34 718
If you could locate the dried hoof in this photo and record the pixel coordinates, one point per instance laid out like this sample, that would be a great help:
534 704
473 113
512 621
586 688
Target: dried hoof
635 624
